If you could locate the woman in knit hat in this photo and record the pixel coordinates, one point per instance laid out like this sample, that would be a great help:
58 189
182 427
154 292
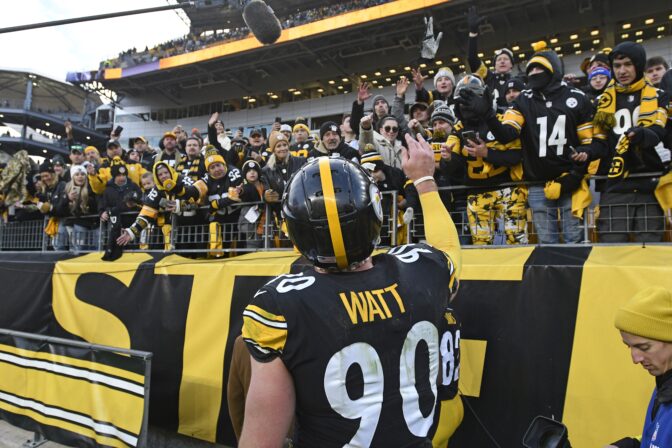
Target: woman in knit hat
645 323
78 201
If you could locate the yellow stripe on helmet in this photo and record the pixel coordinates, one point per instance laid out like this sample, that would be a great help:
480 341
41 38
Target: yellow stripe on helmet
332 213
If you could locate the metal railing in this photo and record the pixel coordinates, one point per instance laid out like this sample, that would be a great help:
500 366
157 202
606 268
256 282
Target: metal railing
483 217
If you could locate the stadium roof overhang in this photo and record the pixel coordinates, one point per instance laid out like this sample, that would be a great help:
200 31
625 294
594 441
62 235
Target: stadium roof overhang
341 52
47 94
46 122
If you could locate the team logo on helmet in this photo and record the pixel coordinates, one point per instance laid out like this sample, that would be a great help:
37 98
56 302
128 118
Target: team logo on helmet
376 200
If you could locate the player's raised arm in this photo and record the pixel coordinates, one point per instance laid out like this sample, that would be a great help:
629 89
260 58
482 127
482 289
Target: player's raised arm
418 164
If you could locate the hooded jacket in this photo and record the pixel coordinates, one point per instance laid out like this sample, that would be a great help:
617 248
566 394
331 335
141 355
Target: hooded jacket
549 121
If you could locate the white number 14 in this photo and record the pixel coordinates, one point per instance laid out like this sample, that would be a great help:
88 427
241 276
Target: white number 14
557 137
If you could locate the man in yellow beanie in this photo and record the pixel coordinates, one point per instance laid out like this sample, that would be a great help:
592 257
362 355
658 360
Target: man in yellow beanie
645 322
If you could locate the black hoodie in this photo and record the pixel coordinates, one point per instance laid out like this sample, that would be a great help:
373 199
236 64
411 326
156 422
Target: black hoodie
549 122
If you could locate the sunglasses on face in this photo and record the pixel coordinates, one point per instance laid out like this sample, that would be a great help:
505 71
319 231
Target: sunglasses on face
390 128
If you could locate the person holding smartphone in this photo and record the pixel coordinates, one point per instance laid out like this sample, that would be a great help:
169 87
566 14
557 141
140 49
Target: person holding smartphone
486 163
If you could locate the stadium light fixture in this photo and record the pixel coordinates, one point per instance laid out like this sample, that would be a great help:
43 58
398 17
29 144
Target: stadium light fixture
34 84
639 41
480 55
596 41
388 79
515 48
625 35
252 100
554 40
407 68
363 76
438 62
380 87
291 90
88 137
660 36
423 65
595 32
297 92
332 82
320 90
557 49
455 59
626 26
670 17
660 28
521 55
431 72
393 71
44 151
246 97
345 80
461 66
340 87
488 61
374 82
2 116
275 97
377 73
577 45
47 124
574 36
648 21
578 52
639 33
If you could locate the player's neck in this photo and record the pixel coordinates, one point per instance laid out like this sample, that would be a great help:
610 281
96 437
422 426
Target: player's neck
363 266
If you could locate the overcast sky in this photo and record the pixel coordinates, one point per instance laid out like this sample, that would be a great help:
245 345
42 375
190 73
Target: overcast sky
54 51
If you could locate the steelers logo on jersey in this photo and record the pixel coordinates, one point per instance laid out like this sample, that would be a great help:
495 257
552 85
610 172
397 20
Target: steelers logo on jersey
571 102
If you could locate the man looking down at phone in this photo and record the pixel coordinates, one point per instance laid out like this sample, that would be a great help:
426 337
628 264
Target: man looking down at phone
486 163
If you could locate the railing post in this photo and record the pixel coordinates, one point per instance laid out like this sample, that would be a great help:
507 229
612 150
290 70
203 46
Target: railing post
45 237
267 226
393 219
101 228
173 231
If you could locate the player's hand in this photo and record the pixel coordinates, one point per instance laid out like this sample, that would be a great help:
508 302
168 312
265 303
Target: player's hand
363 93
418 160
418 79
476 149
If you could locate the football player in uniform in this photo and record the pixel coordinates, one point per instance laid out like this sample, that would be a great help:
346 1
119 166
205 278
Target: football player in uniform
352 346
488 164
551 119
628 128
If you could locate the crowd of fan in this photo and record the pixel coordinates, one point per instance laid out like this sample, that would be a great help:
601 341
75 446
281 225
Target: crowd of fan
507 148
192 42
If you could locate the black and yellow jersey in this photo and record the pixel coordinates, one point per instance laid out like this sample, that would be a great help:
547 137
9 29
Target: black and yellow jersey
503 163
449 344
302 149
363 348
548 126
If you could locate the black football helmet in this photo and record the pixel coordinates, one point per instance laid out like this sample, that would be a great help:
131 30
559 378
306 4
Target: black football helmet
333 212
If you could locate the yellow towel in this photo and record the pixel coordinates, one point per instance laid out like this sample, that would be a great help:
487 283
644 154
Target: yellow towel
215 243
663 192
581 198
51 228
